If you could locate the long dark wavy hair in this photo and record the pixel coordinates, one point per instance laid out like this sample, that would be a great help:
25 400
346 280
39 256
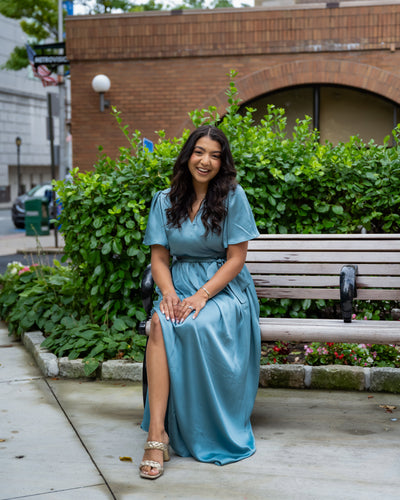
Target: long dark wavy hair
182 194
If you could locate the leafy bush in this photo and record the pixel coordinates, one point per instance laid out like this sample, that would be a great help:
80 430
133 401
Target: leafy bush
103 218
51 299
38 296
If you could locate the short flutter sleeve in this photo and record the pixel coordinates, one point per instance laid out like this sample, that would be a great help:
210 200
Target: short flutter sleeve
239 223
156 225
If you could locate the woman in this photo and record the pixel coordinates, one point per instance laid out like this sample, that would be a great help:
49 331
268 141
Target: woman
203 351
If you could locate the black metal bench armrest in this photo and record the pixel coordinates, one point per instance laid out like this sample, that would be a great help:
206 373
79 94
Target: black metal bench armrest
348 290
147 289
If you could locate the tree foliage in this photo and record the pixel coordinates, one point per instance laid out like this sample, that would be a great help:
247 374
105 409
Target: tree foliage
39 20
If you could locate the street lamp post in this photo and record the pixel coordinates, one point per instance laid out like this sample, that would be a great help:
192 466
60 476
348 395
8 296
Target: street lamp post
18 142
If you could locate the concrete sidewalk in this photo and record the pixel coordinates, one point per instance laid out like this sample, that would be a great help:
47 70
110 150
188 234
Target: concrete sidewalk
63 439
20 243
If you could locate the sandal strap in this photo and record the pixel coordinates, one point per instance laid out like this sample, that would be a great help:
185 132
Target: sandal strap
153 464
155 445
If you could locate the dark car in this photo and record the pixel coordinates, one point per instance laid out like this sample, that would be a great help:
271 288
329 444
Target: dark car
18 208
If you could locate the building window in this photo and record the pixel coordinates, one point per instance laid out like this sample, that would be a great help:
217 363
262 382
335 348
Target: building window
338 112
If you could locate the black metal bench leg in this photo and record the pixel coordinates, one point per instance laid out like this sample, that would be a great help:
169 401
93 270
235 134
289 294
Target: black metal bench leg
348 290
144 377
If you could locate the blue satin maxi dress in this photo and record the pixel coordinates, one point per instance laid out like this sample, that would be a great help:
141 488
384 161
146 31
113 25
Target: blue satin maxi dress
213 360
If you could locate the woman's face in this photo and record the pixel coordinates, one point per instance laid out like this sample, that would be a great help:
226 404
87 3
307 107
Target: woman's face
205 161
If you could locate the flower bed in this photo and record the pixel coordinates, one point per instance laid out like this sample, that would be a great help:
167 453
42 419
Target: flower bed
330 353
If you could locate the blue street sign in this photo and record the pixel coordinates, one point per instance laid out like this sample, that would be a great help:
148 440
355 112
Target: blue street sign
69 7
148 145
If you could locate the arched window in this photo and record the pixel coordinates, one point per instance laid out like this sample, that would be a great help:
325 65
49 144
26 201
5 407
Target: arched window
338 112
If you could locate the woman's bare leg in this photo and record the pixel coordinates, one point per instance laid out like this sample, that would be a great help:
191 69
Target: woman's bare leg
158 391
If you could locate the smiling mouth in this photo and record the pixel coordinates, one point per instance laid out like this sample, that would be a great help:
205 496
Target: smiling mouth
202 171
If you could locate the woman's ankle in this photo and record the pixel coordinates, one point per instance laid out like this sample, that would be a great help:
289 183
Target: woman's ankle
157 435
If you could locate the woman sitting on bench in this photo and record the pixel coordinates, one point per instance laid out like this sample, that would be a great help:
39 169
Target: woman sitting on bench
203 353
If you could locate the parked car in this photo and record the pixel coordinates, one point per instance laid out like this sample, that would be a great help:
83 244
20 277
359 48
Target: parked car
18 208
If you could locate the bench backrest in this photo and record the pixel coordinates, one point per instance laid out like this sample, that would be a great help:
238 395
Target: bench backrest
308 265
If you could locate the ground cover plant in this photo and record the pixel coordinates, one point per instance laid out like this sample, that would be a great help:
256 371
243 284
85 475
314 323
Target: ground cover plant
330 353
91 308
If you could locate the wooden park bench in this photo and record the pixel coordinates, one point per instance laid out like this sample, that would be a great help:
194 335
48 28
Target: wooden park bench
344 267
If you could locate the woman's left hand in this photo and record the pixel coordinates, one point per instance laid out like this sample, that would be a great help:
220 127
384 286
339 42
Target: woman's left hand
193 304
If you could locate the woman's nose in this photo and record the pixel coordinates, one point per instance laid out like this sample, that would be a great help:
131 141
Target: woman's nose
205 160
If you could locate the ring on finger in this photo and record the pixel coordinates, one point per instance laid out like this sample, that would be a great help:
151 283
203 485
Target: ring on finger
190 307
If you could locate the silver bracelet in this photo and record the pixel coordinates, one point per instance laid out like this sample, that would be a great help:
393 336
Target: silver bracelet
207 292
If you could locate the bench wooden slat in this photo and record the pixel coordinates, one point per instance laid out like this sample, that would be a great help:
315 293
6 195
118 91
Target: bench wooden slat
324 245
343 257
329 236
326 293
295 281
365 324
321 330
320 268
323 281
298 293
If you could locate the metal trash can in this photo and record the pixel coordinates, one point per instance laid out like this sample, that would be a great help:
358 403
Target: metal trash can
37 217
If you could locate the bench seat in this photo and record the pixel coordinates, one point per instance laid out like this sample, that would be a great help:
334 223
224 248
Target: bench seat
329 330
344 267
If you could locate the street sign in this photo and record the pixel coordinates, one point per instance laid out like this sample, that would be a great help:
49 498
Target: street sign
54 45
50 60
148 145
69 7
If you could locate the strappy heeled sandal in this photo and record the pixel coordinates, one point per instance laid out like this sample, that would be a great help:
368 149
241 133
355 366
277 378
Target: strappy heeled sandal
154 445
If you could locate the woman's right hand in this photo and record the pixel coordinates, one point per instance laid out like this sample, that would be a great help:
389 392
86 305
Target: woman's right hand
169 305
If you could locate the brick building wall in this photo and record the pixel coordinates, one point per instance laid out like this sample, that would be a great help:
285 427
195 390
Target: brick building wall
164 64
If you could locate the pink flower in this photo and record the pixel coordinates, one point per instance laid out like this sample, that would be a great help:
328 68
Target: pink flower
354 316
24 270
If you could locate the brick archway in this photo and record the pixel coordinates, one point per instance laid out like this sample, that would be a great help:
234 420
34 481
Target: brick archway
317 71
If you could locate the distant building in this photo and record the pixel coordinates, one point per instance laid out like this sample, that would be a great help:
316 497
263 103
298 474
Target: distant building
292 3
23 112
335 61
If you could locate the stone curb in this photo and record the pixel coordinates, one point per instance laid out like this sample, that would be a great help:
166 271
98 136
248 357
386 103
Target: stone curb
44 250
331 377
51 366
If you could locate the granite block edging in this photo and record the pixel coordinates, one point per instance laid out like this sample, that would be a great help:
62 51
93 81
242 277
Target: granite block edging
330 377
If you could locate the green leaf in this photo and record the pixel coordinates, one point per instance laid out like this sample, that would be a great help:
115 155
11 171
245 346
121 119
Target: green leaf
120 325
106 248
117 246
337 209
90 366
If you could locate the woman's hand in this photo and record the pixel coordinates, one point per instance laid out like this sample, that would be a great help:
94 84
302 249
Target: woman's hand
170 306
193 304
